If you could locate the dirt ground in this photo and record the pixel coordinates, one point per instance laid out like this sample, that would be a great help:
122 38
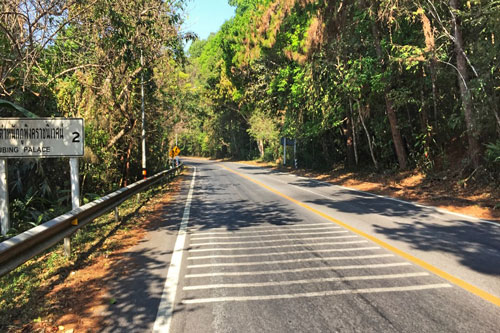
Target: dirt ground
77 303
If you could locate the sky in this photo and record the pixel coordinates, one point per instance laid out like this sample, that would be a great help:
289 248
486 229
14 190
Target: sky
206 16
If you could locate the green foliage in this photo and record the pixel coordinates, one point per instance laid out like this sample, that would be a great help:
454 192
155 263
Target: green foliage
328 73
17 108
89 66
493 152
262 128
315 69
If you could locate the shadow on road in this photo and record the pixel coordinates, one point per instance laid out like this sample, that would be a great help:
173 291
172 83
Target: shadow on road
475 245
225 205
364 203
216 204
239 214
143 269
138 278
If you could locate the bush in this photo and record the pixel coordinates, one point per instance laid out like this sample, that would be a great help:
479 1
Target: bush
493 152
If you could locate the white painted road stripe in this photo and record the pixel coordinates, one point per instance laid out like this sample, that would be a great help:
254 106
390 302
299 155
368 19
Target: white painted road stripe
273 230
268 254
315 294
274 240
275 247
271 262
320 280
299 270
275 235
166 307
269 227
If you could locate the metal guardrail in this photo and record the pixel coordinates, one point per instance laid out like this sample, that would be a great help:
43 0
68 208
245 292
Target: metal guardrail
19 249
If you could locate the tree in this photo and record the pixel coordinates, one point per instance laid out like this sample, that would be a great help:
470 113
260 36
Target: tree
463 81
263 130
82 59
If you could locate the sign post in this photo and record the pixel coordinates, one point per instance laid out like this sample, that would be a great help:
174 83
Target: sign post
295 153
173 153
4 198
284 151
143 115
289 142
39 138
75 197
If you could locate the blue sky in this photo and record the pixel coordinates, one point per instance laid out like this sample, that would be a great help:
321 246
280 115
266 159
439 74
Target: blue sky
206 16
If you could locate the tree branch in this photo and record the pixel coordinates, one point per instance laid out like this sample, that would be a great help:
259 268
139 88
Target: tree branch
70 70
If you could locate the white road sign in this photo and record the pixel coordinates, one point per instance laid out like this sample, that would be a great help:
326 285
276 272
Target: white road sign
41 137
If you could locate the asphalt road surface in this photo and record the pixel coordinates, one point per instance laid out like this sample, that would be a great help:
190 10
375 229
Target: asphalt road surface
247 249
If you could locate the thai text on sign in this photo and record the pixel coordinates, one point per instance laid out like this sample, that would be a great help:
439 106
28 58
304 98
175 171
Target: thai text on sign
41 137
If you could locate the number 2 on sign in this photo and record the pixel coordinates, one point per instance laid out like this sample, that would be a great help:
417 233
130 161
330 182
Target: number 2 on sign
76 137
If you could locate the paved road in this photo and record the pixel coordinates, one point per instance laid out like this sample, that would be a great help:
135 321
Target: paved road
262 251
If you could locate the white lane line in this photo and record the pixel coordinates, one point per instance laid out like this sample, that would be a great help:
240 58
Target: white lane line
268 254
166 307
298 270
320 280
274 240
275 247
276 235
288 261
274 230
268 227
316 294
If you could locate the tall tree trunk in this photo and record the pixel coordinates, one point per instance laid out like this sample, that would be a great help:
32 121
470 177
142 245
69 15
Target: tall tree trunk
463 79
391 113
424 120
234 152
370 145
127 164
432 67
260 144
396 134
354 140
430 47
326 153
347 132
496 109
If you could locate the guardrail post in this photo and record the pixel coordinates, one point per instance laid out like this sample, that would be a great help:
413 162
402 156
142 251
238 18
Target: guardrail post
75 197
4 198
117 214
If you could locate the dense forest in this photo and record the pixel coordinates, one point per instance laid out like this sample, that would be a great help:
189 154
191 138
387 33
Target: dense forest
391 83
388 85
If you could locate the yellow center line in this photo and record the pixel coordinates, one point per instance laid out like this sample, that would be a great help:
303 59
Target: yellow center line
453 279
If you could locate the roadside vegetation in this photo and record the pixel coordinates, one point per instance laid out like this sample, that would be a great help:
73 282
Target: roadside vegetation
381 85
71 58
